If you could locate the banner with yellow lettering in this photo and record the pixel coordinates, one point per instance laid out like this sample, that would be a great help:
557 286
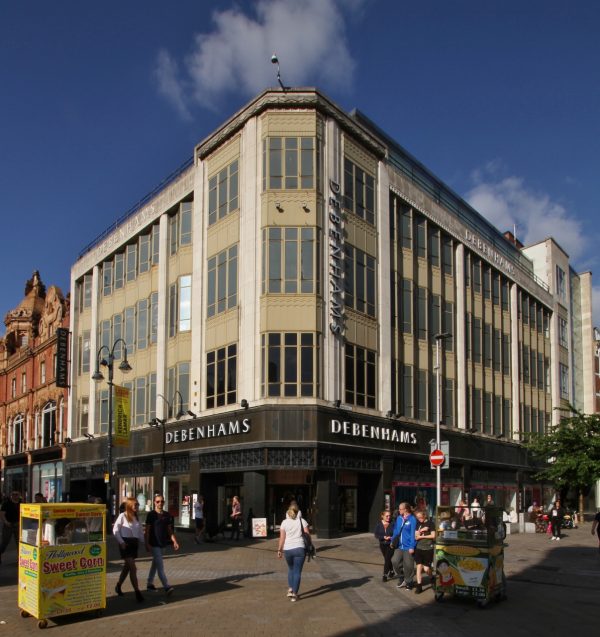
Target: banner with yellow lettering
122 416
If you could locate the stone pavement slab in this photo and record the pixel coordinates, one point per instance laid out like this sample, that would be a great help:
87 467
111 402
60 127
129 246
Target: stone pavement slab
227 588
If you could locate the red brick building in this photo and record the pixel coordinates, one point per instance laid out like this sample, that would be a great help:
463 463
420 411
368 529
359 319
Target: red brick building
33 410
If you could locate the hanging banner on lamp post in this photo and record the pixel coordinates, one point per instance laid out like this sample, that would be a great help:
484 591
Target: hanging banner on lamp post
122 417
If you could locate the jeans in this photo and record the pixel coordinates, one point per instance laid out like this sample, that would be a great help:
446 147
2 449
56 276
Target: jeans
157 566
404 565
295 562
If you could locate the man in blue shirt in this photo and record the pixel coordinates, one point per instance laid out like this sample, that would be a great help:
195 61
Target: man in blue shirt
404 539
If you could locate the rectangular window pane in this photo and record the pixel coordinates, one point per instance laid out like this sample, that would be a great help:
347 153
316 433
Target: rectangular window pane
185 303
131 258
119 270
144 249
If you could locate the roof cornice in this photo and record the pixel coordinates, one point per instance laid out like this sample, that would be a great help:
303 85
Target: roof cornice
276 99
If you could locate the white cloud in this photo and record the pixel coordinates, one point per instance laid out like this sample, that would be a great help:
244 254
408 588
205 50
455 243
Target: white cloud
234 58
169 85
508 202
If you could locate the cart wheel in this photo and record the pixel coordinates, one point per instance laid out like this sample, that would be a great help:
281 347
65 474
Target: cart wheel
24 613
439 597
43 623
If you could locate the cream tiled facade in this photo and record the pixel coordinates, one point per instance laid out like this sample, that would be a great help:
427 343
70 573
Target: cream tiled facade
284 291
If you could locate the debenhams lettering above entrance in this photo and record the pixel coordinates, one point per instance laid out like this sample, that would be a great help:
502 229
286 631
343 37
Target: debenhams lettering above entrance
200 432
373 432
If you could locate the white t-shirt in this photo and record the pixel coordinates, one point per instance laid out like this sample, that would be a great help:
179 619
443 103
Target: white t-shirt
293 534
199 509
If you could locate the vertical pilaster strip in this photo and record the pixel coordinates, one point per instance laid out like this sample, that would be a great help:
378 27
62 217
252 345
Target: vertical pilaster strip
514 362
460 339
163 292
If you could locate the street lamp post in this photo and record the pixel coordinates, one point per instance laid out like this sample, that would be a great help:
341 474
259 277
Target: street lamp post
161 422
439 338
108 362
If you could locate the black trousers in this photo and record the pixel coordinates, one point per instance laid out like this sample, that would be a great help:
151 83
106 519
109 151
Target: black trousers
387 553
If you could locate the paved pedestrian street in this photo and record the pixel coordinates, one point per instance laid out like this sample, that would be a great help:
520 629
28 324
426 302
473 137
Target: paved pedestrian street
239 588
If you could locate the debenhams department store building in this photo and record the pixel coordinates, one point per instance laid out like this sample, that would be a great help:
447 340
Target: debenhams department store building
283 291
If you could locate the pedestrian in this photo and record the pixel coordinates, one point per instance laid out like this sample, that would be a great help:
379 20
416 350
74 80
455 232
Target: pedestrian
291 546
158 535
424 535
476 511
128 533
403 539
596 527
39 498
9 515
489 500
236 517
199 518
383 532
557 513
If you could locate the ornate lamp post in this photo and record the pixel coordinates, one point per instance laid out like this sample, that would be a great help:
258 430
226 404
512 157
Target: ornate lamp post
108 362
161 422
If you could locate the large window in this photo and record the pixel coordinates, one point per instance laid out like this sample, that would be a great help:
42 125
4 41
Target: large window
563 337
107 278
289 261
185 303
178 380
289 364
359 192
288 163
222 281
131 262
48 429
180 305
221 376
119 270
563 371
18 438
406 306
142 323
223 193
140 401
360 376
359 280
561 283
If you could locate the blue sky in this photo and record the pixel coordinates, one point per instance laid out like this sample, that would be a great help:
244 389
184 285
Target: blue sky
99 102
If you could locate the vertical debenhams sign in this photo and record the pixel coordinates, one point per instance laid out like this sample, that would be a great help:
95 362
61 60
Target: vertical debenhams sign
61 373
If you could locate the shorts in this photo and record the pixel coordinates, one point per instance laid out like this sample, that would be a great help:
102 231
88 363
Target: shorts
424 556
131 548
199 523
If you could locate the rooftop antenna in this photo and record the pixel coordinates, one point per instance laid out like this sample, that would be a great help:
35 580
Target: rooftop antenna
275 60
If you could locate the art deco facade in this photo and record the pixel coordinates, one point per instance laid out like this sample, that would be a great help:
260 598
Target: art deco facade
285 288
33 410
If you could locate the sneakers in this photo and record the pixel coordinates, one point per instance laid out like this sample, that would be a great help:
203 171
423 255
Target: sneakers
401 584
384 578
150 587
409 587
558 538
391 575
118 590
169 590
293 598
418 589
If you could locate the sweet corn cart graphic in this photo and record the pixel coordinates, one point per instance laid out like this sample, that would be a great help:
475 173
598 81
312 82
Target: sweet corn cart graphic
62 560
469 554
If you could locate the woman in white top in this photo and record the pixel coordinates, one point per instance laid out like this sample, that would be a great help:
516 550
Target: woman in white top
291 546
129 533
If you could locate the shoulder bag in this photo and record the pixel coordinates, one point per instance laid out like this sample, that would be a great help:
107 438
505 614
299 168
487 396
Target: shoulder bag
309 548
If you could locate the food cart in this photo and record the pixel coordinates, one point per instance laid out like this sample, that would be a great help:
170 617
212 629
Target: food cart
469 554
62 560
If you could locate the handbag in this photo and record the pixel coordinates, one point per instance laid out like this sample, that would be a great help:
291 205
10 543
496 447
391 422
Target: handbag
309 548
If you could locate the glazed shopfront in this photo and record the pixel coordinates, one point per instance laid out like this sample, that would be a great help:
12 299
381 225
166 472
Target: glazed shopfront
341 468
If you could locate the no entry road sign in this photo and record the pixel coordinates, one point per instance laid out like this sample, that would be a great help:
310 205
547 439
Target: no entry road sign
437 458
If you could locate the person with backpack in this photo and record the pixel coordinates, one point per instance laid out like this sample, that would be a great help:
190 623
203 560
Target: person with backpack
159 534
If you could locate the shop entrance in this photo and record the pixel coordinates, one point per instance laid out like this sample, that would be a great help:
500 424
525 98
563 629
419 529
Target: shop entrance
281 496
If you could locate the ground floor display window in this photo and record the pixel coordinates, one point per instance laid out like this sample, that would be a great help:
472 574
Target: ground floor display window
139 487
47 479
